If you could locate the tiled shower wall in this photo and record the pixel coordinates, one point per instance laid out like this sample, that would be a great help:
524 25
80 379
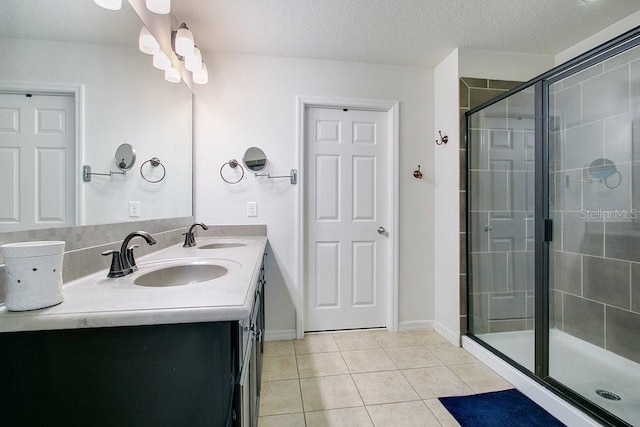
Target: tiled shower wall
596 248
472 92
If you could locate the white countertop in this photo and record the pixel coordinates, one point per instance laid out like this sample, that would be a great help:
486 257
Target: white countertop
97 301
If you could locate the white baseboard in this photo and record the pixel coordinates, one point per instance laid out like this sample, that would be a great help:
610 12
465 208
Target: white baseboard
281 335
556 406
448 334
411 325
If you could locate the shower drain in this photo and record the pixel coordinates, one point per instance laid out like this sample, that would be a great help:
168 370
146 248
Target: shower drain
608 395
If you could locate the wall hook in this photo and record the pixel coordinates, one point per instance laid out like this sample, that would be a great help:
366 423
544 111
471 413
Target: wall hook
417 173
443 138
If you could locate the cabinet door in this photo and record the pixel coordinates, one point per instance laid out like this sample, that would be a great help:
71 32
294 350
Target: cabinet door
144 376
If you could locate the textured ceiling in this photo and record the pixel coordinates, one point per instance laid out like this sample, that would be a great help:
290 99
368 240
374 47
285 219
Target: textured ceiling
409 32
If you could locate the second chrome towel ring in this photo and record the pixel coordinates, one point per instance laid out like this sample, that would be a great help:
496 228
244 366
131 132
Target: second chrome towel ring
155 162
233 163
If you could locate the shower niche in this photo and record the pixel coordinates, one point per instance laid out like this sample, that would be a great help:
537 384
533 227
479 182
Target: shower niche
553 234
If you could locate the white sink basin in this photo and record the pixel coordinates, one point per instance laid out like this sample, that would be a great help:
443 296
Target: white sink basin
222 245
180 275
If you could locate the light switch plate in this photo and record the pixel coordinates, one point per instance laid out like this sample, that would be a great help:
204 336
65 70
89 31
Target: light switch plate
252 208
134 209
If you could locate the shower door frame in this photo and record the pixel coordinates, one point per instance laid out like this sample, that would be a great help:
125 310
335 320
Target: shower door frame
543 225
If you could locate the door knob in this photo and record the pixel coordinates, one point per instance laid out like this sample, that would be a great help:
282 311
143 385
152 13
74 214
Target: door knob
381 230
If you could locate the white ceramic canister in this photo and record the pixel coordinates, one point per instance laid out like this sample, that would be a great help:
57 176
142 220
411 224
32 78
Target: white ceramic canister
34 274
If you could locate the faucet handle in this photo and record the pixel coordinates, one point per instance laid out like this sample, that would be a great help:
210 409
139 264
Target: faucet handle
130 259
116 269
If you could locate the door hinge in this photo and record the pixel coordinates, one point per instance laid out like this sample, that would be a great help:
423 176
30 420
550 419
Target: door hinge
548 230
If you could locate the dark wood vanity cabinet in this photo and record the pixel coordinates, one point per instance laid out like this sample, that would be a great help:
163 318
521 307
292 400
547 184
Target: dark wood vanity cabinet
185 374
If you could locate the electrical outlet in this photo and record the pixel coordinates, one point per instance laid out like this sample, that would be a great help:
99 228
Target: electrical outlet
134 209
252 208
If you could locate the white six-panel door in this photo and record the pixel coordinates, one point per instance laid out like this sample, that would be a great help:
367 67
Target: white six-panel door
37 155
345 205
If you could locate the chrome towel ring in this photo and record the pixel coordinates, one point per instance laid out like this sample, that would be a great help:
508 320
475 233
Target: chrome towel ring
155 162
233 163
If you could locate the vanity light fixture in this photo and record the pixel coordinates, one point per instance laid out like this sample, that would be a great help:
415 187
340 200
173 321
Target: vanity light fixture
172 75
161 7
147 43
183 43
109 4
183 46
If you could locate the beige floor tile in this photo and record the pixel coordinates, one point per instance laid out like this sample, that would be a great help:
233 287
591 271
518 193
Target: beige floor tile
394 339
280 397
444 417
480 378
320 343
425 336
412 357
350 341
384 387
279 368
347 417
333 392
288 420
321 365
449 354
405 414
368 361
438 381
279 348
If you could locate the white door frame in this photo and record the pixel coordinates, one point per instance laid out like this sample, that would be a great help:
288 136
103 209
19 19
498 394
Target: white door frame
77 90
392 108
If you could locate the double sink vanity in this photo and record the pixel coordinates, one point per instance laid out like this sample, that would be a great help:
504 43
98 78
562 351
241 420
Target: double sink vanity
177 342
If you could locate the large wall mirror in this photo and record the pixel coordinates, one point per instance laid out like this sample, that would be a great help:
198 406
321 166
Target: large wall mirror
73 88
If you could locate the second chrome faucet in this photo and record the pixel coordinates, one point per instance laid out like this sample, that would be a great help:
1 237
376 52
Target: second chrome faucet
189 237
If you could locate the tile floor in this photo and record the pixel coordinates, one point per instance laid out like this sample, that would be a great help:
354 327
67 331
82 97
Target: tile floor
367 378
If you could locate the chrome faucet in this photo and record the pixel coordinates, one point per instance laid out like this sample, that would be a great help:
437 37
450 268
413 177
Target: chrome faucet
123 262
189 238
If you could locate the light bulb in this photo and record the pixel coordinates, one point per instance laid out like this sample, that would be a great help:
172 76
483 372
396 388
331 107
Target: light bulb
161 7
193 62
147 43
109 4
172 75
201 76
184 41
161 60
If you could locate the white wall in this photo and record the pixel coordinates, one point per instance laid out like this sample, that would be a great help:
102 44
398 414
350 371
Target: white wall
612 31
125 100
251 101
447 196
461 63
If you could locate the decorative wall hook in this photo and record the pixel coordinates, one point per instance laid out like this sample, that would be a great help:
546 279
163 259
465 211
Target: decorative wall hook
443 138
417 173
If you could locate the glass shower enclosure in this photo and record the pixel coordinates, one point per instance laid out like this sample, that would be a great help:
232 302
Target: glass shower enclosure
553 225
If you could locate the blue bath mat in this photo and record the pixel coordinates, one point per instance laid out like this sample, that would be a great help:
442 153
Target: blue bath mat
507 408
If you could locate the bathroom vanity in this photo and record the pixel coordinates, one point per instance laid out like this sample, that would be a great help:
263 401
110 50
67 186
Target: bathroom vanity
125 352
